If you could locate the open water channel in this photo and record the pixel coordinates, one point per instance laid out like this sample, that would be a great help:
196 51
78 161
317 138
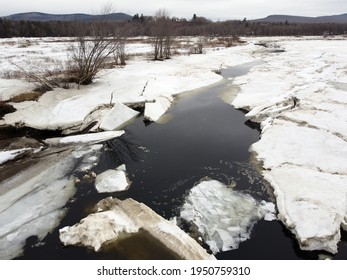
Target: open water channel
201 136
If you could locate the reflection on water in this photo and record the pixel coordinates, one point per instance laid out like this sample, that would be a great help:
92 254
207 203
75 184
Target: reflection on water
138 246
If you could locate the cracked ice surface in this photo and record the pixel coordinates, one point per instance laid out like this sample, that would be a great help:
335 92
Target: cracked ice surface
319 199
44 189
303 144
223 217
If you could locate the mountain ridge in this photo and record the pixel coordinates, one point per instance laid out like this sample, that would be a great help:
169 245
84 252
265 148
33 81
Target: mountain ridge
342 18
38 16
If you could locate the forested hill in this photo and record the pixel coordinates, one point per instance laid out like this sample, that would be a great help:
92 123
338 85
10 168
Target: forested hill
340 19
35 16
46 25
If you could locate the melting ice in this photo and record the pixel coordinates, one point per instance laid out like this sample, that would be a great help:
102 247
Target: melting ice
223 217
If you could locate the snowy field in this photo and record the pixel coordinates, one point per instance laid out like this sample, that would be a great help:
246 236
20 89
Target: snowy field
298 94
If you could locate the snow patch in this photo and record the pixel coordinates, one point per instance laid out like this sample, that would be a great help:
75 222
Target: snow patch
9 155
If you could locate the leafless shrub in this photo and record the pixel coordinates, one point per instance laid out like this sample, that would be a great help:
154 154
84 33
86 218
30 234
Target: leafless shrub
46 80
120 53
161 31
12 74
228 42
89 56
200 45
24 44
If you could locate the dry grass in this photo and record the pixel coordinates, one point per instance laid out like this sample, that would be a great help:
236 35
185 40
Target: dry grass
27 96
12 74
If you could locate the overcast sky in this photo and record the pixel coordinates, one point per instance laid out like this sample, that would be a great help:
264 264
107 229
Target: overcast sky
212 9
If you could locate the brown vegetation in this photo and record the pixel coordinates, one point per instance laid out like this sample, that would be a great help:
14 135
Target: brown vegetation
143 26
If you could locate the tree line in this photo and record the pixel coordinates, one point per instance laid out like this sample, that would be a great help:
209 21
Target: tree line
148 26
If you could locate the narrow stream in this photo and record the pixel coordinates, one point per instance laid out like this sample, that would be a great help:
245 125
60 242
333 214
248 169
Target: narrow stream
202 137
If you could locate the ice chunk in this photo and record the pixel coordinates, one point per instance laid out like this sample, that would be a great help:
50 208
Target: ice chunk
89 155
97 229
223 217
289 143
303 147
154 110
111 181
117 117
85 138
11 245
312 204
117 219
31 203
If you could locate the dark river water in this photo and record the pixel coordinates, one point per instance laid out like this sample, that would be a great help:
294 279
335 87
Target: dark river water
202 137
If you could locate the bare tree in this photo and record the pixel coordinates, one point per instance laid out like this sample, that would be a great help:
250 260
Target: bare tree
120 53
161 32
200 45
90 54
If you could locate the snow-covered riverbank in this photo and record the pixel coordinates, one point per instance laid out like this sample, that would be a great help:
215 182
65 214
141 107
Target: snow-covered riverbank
298 94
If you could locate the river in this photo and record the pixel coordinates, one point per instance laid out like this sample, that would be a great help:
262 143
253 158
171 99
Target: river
200 136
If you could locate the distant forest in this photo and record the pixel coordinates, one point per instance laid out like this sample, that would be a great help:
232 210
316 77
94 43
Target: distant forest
144 26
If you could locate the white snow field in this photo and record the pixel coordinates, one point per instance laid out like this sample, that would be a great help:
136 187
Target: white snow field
141 80
298 95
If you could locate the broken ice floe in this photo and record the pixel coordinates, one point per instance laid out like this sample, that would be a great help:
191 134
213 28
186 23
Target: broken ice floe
312 204
224 217
44 189
112 180
116 220
154 110
84 138
32 202
117 117
303 148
